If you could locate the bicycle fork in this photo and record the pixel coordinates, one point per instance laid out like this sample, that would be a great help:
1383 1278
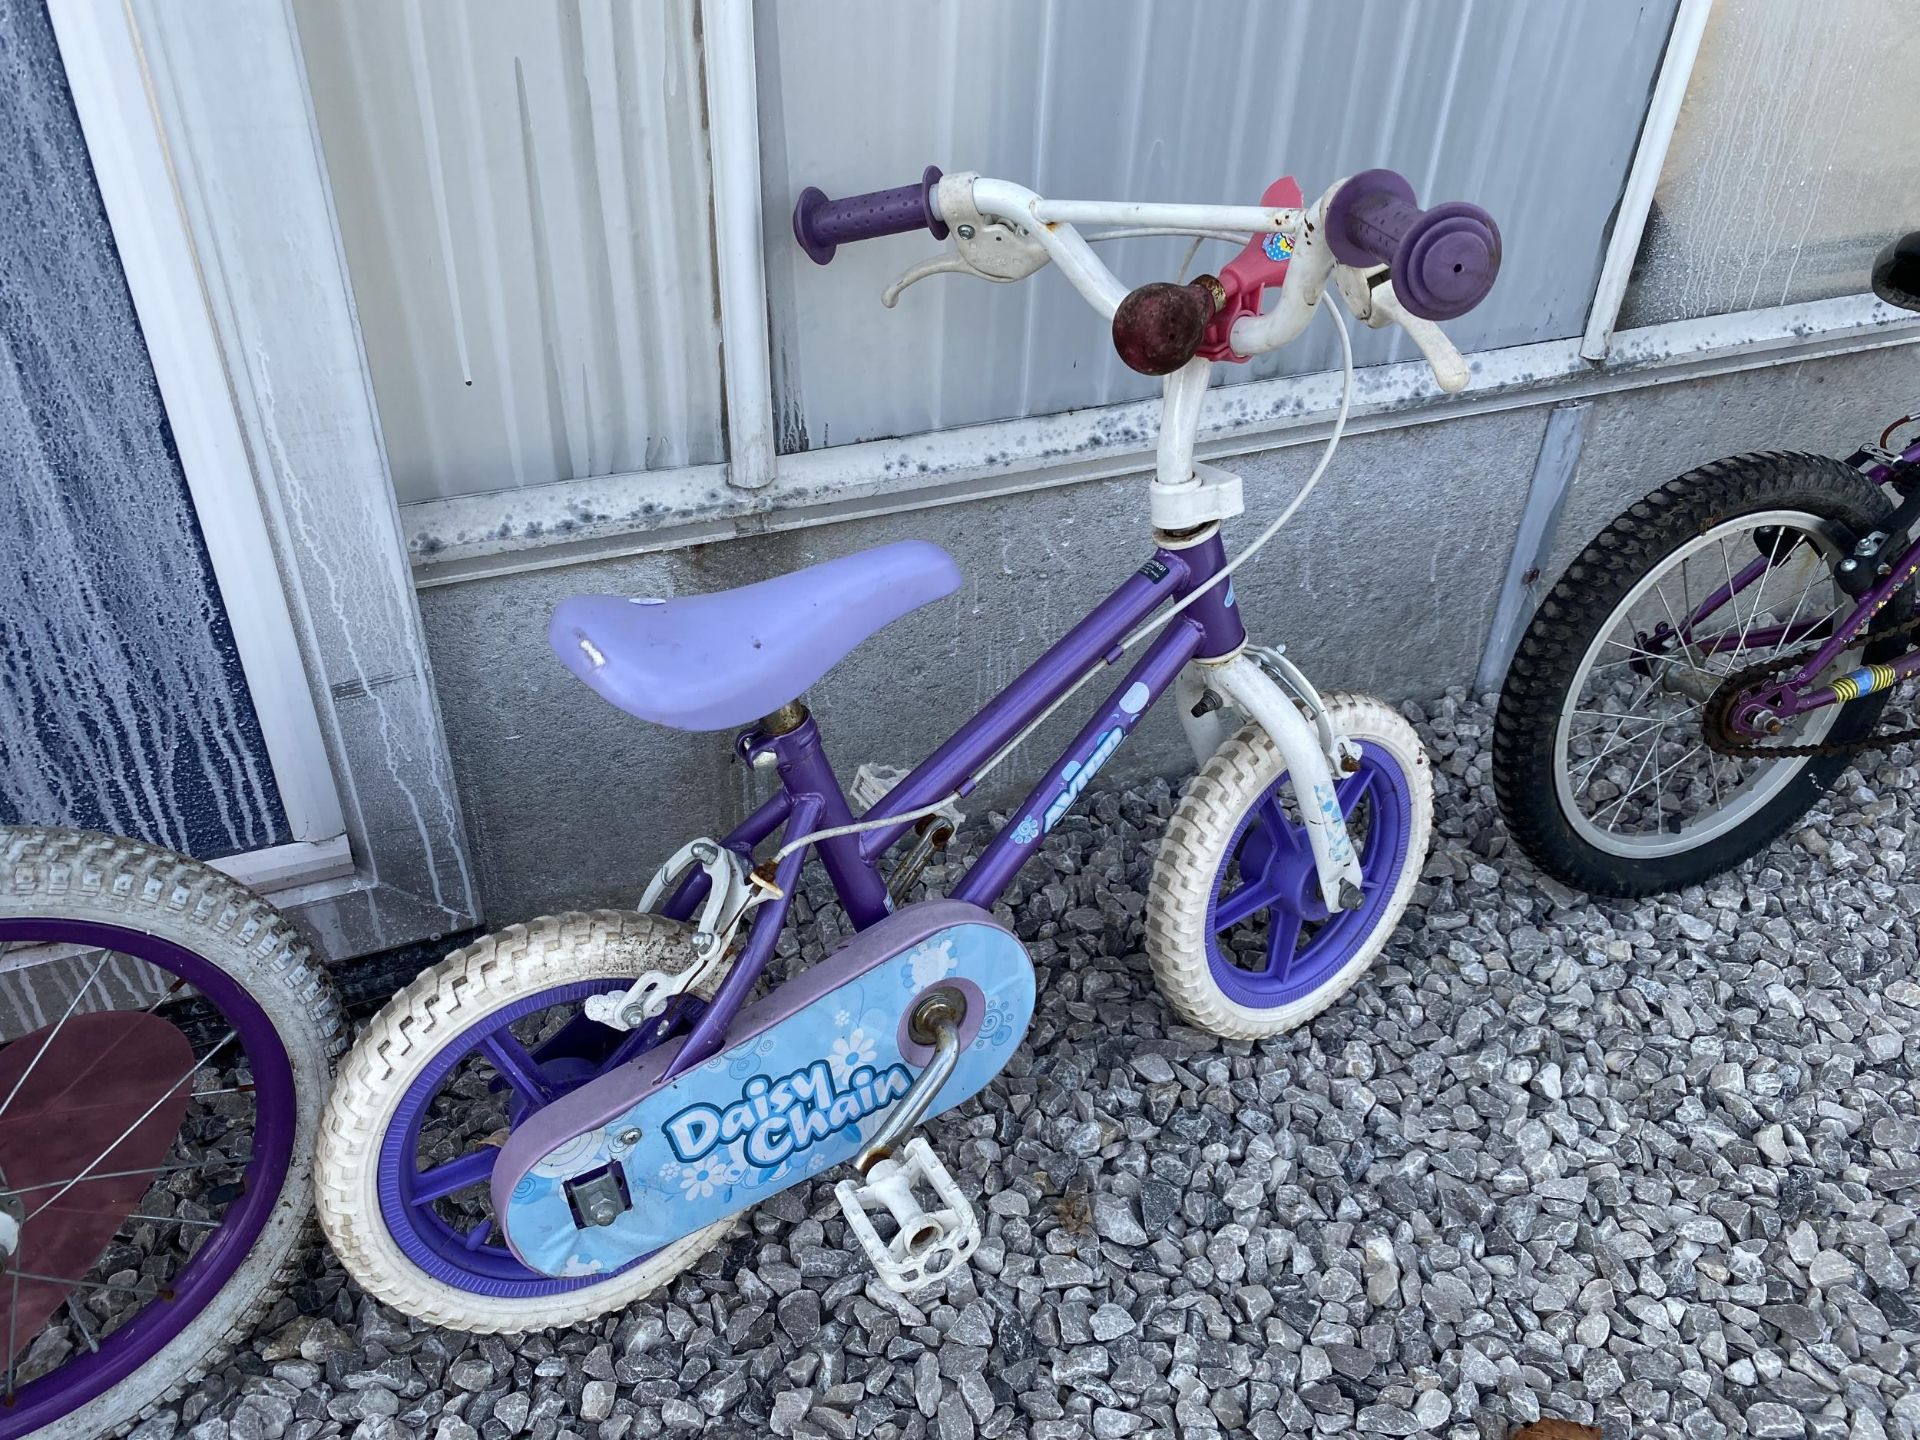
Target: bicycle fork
1246 681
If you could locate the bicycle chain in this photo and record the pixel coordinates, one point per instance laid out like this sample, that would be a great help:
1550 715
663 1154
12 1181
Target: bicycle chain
1716 719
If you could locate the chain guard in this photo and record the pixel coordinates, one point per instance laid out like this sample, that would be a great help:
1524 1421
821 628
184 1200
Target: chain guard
632 1161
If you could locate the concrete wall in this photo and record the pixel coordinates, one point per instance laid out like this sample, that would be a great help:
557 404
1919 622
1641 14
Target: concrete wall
1385 582
1637 439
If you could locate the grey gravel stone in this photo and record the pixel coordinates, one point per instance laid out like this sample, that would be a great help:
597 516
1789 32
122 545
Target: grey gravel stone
1382 1270
1110 1322
1768 1421
1113 1218
678 1414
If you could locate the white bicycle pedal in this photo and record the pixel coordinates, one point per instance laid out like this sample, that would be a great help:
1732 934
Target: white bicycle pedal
927 1245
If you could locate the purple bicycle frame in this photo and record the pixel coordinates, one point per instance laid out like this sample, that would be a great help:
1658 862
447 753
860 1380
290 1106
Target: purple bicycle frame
811 797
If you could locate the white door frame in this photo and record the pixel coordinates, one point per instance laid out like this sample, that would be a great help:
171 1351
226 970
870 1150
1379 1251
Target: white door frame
108 82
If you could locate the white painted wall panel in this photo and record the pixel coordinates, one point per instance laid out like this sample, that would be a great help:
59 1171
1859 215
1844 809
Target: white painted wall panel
523 194
1793 163
1531 109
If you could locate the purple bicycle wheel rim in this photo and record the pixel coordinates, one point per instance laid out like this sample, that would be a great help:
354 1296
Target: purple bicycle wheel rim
86 1377
1334 944
433 1244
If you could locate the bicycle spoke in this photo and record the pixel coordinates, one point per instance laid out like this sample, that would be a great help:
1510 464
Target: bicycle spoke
1798 605
177 1220
1636 652
1591 764
1252 895
77 1316
1633 659
1607 715
218 1162
165 995
516 1067
1753 611
477 1236
1274 821
1659 783
107 1285
165 1095
455 1175
1713 777
1658 778
1680 637
1633 781
59 1025
1733 596
1283 943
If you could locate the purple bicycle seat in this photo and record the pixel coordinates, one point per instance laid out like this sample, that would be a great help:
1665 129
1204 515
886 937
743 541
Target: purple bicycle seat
719 661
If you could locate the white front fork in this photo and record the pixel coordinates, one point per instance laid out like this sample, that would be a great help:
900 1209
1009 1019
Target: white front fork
1310 759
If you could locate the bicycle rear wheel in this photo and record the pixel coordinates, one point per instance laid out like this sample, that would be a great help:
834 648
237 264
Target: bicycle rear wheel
165 1046
1600 764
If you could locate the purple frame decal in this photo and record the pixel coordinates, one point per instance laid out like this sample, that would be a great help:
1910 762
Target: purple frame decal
811 796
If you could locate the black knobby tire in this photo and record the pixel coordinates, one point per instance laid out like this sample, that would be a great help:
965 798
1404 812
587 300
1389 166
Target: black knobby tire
1570 620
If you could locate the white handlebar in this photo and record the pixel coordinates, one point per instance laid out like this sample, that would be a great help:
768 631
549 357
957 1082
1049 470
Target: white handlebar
1050 224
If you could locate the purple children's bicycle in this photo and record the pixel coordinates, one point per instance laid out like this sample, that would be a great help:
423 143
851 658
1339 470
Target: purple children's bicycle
1715 658
631 1101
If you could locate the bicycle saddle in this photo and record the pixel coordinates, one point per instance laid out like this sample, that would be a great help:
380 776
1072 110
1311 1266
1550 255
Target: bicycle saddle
1896 272
715 662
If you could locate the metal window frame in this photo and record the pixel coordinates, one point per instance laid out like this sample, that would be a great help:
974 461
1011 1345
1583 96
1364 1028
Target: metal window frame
1643 177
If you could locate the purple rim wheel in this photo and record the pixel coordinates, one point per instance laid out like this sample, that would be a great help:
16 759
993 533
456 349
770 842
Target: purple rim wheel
475 1259
1277 878
91 1374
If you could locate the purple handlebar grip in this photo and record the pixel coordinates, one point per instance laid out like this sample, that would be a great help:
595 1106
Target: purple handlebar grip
821 225
1444 260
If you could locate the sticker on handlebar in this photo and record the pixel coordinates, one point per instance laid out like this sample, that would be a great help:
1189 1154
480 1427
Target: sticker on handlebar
1278 247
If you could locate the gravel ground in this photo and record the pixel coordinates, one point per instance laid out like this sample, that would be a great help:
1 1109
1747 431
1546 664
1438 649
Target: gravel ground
1647 1165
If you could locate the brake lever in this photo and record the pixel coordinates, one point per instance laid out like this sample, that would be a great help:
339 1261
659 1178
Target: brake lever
1369 297
1449 365
982 246
939 264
